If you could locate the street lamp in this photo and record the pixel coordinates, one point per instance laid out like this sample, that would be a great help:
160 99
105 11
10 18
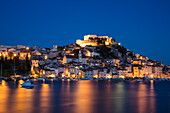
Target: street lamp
14 64
45 57
1 64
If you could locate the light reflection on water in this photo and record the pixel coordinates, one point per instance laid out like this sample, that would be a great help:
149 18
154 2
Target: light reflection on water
85 97
146 100
83 101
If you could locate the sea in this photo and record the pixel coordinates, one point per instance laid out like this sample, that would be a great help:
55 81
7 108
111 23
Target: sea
85 96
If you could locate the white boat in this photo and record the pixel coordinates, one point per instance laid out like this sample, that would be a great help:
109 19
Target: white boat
27 84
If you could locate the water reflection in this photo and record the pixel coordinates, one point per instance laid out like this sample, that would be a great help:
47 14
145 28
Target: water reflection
152 97
119 95
83 97
45 98
146 98
3 97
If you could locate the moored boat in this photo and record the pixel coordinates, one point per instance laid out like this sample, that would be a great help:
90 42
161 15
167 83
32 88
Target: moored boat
27 84
65 78
40 78
139 80
86 78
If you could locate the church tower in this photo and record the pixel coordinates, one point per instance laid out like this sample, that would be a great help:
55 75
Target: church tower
80 56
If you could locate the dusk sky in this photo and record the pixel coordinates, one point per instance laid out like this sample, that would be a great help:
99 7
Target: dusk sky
143 26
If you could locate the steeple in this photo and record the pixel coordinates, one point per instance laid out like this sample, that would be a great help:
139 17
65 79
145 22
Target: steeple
80 56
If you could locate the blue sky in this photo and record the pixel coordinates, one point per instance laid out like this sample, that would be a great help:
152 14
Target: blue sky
142 26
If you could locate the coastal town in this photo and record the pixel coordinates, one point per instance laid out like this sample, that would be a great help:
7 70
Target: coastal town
95 57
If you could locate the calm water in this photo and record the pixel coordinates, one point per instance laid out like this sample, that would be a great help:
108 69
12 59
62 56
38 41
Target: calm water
85 97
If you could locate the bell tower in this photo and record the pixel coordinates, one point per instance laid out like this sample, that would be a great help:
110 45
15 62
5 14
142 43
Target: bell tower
80 56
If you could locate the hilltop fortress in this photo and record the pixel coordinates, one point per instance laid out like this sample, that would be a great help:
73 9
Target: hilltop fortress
95 40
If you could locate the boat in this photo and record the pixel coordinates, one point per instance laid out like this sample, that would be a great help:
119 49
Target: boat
27 84
106 78
52 78
74 79
86 78
98 78
139 80
65 78
40 78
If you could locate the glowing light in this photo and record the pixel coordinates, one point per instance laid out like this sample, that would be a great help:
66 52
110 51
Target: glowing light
52 75
121 76
141 57
45 57
3 83
95 76
34 75
151 76
109 76
63 75
73 76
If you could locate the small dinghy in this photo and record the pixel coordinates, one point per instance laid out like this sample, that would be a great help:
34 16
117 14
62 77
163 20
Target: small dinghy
27 84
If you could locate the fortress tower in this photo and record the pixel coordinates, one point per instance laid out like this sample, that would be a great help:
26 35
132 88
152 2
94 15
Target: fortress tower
95 40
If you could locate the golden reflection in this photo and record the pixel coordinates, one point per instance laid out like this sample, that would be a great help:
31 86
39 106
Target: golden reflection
106 92
66 87
22 98
152 101
20 82
119 93
152 84
142 95
4 97
45 97
83 97
146 98
3 83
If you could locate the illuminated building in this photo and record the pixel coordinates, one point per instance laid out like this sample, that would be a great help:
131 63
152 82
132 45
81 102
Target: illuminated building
95 40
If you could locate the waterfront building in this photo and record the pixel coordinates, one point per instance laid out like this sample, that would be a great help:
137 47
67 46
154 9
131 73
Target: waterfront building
122 73
88 73
157 71
49 73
